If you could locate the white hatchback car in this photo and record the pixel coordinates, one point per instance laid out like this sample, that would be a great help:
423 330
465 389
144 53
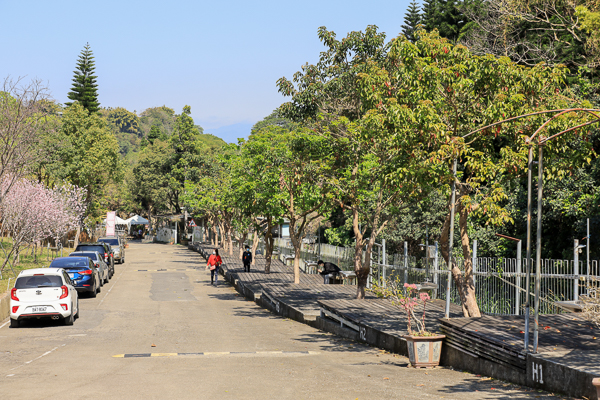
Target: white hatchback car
43 293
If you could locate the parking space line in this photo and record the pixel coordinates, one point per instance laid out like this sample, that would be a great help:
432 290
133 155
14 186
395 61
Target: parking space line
37 358
219 353
111 288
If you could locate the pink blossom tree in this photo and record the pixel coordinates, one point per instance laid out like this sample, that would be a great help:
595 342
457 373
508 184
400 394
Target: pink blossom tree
24 119
30 212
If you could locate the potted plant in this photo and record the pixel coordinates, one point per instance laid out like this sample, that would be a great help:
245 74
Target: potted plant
424 347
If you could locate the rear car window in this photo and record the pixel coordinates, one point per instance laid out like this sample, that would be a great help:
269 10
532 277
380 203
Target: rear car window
28 282
112 242
98 248
90 255
69 263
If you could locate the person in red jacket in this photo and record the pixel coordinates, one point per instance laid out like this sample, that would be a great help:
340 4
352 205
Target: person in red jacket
214 262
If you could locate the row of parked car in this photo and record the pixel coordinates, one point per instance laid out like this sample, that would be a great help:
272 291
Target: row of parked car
53 292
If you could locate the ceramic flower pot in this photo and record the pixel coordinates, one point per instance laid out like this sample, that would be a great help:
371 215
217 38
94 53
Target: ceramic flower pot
424 351
596 383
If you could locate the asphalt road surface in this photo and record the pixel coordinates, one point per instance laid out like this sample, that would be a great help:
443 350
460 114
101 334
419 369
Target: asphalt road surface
166 333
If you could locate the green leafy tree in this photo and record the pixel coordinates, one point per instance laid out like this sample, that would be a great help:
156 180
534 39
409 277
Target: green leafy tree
124 121
285 168
372 171
85 89
87 155
274 119
156 133
257 192
447 92
163 117
150 180
185 157
412 19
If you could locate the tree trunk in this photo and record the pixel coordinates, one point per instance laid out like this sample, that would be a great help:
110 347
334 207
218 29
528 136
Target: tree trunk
242 241
467 285
362 273
463 282
270 242
77 233
230 239
296 238
255 241
268 245
222 240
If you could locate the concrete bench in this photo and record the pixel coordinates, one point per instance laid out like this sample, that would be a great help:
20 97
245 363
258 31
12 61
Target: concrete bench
348 277
310 267
285 259
571 306
428 287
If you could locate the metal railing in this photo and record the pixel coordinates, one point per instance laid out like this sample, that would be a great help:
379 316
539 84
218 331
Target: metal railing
500 283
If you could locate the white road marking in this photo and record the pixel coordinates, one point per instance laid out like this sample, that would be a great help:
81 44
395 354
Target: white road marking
4 324
37 358
111 288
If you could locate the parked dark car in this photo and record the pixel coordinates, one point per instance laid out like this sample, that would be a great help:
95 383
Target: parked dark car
102 248
82 271
117 245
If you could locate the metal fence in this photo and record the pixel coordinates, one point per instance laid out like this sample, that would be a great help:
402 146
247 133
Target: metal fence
500 283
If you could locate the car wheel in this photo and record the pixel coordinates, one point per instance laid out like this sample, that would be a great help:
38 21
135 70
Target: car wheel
69 320
123 260
14 323
77 314
106 280
94 292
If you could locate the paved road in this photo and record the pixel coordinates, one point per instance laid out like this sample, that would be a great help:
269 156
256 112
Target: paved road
170 335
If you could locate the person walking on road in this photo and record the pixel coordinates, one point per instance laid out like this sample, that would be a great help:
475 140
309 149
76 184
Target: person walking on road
247 259
327 270
214 262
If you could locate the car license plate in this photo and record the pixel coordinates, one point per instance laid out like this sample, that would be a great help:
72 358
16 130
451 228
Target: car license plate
71 275
38 309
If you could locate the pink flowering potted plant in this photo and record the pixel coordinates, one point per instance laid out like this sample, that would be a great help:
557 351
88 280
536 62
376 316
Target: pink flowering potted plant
424 347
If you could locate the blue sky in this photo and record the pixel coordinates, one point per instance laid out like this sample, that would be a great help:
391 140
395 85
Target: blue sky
221 58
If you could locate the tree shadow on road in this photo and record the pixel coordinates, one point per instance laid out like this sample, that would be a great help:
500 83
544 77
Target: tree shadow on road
490 388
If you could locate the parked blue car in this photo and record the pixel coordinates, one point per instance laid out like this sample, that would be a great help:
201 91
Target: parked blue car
82 271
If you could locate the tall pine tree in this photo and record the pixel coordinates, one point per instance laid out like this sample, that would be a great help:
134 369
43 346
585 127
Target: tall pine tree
84 89
445 16
412 19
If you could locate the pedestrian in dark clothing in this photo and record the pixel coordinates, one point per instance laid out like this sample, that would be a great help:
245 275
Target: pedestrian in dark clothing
327 270
214 261
247 259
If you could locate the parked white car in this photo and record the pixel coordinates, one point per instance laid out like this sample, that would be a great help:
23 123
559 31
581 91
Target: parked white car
43 293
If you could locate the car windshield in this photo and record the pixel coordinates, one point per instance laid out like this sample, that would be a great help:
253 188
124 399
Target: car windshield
112 242
38 281
70 262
